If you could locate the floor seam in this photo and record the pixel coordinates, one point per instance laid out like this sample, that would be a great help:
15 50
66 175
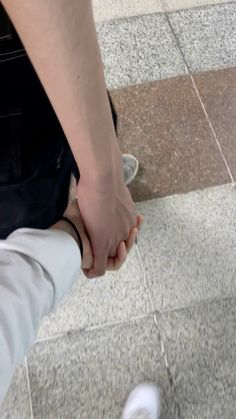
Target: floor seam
200 100
167 366
145 280
54 337
163 351
196 304
134 319
118 322
212 129
29 388
95 327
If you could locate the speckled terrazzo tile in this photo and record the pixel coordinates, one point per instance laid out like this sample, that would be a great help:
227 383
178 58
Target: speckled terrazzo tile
139 49
116 297
187 247
113 9
17 403
90 374
186 4
200 344
207 36
218 93
163 125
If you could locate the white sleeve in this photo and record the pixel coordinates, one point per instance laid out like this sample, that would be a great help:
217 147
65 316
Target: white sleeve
37 268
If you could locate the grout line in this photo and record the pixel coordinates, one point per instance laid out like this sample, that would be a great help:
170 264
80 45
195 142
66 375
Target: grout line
54 337
163 352
132 319
169 374
95 327
212 129
201 102
118 322
145 280
167 13
29 388
198 303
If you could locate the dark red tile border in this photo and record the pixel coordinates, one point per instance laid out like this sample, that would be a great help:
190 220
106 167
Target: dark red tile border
218 93
163 124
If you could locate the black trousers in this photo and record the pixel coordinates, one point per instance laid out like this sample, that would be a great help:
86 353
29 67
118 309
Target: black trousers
35 160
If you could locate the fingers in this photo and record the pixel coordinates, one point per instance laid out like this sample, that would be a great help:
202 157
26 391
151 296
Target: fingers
113 264
140 220
131 240
102 263
122 252
99 265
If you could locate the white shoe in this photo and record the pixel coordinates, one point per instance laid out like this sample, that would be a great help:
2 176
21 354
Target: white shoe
130 167
144 402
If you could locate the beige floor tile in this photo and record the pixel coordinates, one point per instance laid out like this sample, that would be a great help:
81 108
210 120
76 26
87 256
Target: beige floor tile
113 9
185 4
116 297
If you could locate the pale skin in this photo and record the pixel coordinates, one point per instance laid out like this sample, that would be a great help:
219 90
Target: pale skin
60 38
113 264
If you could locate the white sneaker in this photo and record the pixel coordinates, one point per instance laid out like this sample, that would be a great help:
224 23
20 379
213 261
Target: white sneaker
130 167
144 402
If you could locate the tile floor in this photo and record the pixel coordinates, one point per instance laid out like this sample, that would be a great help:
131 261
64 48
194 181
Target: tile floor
169 315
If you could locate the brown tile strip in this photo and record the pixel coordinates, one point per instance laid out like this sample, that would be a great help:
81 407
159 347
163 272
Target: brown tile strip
162 123
218 93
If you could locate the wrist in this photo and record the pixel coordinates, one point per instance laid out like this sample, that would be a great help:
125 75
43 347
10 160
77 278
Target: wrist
66 228
104 174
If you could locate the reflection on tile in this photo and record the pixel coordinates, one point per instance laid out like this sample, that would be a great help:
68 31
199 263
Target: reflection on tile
89 374
115 297
207 36
201 346
187 244
218 93
17 403
113 9
139 49
185 4
163 125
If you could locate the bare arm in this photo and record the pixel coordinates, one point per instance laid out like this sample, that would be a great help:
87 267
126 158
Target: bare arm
60 38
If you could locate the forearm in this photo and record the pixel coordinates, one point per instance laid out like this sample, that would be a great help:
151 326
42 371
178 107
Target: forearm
60 38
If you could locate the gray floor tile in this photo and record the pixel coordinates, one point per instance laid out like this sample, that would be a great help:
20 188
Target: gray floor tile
17 403
187 246
138 50
116 297
207 36
200 343
89 374
113 9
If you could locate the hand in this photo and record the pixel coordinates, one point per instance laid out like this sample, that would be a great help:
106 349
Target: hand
73 213
109 216
123 250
